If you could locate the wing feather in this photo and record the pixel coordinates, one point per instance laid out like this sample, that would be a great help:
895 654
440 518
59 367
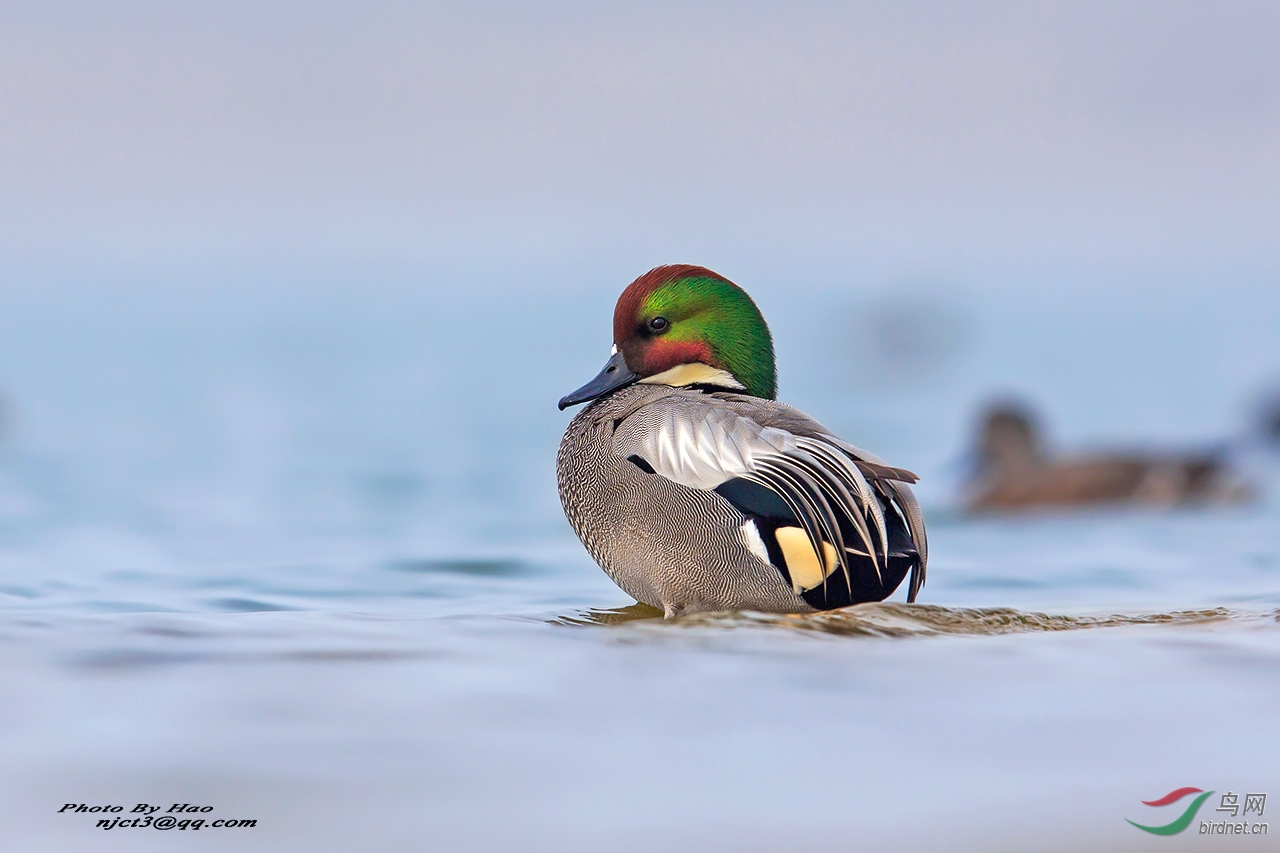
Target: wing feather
868 504
829 485
906 499
815 503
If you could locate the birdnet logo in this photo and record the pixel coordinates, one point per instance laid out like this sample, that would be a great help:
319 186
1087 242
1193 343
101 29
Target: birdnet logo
1230 802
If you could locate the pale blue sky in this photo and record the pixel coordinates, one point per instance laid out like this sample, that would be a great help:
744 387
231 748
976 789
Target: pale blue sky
903 136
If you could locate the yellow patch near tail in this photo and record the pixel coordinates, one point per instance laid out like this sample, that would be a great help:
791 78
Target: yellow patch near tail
802 560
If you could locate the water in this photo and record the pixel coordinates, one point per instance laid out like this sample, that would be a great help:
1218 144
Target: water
293 551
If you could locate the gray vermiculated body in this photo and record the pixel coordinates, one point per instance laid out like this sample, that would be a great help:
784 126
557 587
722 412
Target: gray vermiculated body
697 562
675 546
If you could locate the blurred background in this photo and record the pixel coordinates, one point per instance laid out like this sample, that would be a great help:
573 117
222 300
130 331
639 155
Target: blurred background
288 293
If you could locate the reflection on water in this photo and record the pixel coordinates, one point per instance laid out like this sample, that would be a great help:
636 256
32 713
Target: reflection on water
890 619
613 616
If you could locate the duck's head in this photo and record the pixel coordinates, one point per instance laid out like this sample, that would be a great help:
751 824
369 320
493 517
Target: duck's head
683 325
1009 439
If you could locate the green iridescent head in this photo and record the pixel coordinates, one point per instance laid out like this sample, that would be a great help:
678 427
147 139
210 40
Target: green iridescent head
684 325
685 315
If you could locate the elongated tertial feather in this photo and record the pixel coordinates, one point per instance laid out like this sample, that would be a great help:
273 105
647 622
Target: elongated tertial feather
815 504
848 505
795 502
869 503
906 499
885 472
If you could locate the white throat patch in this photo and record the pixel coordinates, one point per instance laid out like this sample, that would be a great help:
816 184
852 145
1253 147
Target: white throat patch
694 374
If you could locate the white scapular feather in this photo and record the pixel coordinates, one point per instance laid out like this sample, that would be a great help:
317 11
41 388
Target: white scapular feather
703 446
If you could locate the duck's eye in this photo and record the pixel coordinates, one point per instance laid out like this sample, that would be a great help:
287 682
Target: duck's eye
658 325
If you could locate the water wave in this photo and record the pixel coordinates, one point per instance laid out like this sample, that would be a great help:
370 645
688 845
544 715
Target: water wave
888 619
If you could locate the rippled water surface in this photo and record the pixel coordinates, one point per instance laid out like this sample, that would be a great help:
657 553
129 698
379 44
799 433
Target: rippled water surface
296 554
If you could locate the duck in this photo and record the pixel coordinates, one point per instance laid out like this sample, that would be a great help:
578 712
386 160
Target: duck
695 490
1016 472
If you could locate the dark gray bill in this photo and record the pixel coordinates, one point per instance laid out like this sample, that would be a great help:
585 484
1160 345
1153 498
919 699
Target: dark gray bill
615 375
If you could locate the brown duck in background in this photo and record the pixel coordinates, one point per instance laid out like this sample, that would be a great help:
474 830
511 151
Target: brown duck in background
1016 473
